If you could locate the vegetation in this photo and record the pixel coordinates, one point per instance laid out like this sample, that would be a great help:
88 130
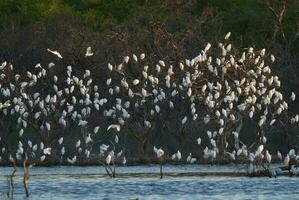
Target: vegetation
60 105
169 30
253 22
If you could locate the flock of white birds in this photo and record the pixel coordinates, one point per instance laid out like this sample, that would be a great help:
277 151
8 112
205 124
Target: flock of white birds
219 91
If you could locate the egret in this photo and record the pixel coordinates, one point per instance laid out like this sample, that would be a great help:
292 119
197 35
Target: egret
78 143
193 160
108 159
231 155
198 141
96 129
47 151
72 160
142 56
135 82
114 126
88 139
55 53
279 156
189 158
259 150
62 151
227 36
88 52
286 160
42 158
160 153
268 156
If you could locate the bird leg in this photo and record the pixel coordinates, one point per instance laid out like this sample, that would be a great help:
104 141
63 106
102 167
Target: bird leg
108 169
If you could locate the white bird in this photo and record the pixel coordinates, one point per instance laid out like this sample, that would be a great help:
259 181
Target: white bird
108 159
155 149
279 156
286 160
135 58
208 46
21 132
60 141
87 153
47 151
213 142
193 160
259 150
272 58
88 52
124 161
291 153
114 126
264 139
110 67
294 170
227 36
135 82
29 143
108 82
173 157
231 155
179 155
96 129
62 151
189 158
160 153
82 123
209 133
55 53
293 96
78 143
72 161
34 148
268 156
104 147
184 120
88 139
119 154
116 139
142 56
199 141
126 59
42 145
42 158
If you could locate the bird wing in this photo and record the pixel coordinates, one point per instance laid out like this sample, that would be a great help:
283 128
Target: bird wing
55 53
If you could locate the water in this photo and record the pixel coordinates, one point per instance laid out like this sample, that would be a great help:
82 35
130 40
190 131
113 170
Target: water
143 182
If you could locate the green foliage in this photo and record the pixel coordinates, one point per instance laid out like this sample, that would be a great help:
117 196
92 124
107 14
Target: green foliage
21 12
250 21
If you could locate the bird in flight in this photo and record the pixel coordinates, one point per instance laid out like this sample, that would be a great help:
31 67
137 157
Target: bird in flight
55 53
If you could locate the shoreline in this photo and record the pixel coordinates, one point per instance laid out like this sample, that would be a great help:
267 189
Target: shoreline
130 162
135 162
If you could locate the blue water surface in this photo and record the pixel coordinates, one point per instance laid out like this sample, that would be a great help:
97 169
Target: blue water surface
142 182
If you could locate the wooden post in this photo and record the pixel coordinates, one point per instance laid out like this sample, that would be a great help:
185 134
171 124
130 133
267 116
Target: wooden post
26 174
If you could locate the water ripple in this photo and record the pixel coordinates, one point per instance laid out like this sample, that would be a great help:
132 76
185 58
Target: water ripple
185 187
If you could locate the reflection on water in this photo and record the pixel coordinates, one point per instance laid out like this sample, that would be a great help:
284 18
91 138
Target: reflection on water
91 183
